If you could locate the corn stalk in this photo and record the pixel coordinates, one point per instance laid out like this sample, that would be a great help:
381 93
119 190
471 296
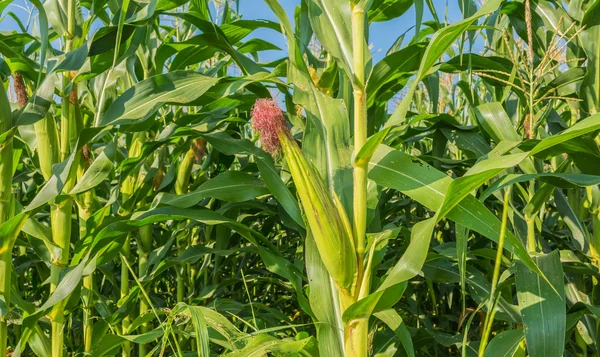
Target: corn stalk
6 203
356 331
127 190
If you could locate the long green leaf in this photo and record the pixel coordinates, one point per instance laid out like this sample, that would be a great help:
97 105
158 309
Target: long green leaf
543 311
143 99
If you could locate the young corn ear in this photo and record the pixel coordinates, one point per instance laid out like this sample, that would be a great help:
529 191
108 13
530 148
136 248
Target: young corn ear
325 216
195 153
45 130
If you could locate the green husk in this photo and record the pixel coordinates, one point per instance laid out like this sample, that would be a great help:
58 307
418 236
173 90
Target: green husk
47 137
327 220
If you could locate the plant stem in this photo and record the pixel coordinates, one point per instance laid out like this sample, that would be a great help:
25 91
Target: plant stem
496 276
88 324
530 220
6 172
6 198
62 210
144 247
147 298
181 187
85 213
125 252
356 331
594 211
5 283
360 130
61 232
60 218
531 243
595 250
127 190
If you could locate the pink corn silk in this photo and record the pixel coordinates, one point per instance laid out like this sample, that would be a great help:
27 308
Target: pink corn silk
268 120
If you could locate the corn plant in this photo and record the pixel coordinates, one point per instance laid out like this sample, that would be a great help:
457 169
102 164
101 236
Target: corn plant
166 190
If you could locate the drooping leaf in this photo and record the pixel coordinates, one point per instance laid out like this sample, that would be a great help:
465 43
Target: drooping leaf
233 186
142 100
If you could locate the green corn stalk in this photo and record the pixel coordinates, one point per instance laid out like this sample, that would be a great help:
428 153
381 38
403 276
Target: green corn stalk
61 217
126 252
127 190
356 342
144 248
85 205
48 144
592 197
22 98
6 172
85 213
182 182
181 186
5 283
489 320
61 212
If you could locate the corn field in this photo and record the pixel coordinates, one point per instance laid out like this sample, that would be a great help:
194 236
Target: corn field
165 191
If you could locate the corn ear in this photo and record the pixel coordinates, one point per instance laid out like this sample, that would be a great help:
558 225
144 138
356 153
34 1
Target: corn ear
185 170
327 220
47 141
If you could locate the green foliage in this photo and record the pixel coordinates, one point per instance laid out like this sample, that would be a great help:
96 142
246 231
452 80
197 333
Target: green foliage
441 201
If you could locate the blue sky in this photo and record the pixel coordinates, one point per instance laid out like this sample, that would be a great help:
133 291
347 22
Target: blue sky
382 35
